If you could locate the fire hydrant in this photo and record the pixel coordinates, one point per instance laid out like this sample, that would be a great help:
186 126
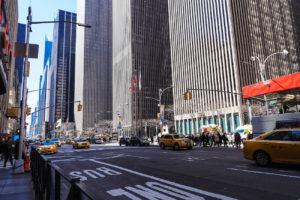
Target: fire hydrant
26 162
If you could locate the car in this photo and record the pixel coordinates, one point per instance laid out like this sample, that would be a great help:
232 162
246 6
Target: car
37 142
277 146
69 141
124 141
47 147
56 141
175 141
137 141
98 141
81 143
62 141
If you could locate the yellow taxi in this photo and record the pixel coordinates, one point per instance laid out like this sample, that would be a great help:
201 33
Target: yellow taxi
277 146
47 147
175 141
81 143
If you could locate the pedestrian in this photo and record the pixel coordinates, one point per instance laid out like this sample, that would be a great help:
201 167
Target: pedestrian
1 148
224 139
152 140
237 140
7 151
206 139
218 139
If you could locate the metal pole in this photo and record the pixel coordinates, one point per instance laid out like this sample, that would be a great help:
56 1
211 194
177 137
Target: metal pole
160 110
262 71
19 162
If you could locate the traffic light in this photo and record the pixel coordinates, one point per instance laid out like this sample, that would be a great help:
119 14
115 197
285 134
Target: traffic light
12 112
28 110
79 107
187 95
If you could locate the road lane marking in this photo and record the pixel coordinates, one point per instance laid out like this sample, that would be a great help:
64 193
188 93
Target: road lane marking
265 173
153 190
100 172
191 189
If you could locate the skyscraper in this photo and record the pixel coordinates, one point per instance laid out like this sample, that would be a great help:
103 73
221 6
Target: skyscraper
141 62
61 72
94 63
212 42
43 89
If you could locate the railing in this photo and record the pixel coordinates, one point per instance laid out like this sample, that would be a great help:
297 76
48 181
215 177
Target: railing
51 183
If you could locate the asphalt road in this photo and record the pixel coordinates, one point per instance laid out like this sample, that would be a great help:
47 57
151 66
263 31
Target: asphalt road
151 173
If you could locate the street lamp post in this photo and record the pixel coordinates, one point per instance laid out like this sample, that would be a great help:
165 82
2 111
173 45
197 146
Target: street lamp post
19 162
161 107
262 69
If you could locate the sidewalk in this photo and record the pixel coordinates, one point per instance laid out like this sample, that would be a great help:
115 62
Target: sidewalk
15 186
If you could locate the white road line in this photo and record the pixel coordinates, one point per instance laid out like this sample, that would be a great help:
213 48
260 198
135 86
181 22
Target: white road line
64 160
265 173
199 191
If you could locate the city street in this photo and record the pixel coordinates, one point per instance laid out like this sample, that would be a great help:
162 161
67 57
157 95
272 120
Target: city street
112 172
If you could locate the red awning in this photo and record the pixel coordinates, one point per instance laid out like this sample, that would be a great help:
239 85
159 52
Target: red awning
283 83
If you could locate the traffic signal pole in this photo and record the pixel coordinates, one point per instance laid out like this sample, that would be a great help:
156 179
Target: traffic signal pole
18 168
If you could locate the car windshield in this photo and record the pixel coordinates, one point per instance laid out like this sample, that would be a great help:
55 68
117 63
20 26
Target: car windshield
47 143
176 136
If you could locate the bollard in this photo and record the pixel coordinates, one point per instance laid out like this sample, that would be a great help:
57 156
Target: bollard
26 163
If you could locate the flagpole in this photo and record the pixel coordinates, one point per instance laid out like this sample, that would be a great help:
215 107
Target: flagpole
136 106
140 102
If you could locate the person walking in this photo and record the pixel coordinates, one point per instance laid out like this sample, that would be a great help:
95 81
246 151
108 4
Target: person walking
152 139
7 151
218 139
225 139
237 140
1 148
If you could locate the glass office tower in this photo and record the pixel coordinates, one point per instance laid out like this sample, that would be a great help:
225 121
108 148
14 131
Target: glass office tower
141 62
61 72
94 63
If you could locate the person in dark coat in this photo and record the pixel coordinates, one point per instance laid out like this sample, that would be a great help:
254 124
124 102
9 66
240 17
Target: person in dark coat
224 139
1 148
237 140
7 151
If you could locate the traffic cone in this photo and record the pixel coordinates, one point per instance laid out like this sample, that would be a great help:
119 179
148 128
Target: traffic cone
26 163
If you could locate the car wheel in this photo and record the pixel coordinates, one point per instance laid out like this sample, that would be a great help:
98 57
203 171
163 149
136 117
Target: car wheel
176 147
262 158
162 145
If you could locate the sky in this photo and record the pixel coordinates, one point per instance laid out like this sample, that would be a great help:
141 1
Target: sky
42 10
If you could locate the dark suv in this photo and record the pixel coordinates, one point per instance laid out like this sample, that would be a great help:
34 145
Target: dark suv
136 141
124 141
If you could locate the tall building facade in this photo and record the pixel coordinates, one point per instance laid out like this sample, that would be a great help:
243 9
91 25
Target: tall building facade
8 37
141 62
94 63
62 69
43 109
212 42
